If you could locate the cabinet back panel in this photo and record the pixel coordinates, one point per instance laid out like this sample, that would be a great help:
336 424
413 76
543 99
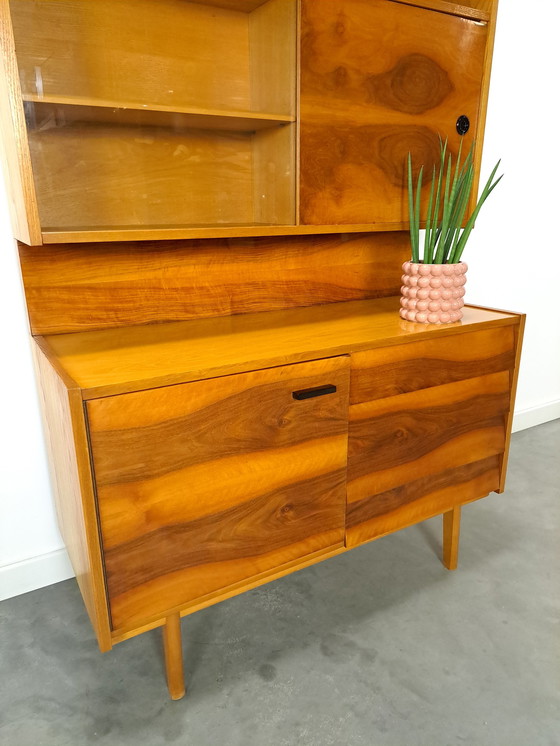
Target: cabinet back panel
120 284
95 175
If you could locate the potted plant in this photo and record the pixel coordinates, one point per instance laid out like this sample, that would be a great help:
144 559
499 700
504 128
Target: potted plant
433 286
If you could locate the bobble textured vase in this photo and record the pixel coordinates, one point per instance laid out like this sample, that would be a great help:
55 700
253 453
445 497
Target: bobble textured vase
433 293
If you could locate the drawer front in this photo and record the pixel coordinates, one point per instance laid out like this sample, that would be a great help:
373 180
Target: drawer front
415 455
203 485
389 371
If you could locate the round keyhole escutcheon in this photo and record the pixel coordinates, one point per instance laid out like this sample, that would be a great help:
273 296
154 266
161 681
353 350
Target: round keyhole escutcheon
462 124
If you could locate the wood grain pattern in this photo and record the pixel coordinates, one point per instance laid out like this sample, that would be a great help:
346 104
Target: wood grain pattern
115 361
367 103
395 89
66 439
379 505
261 487
391 438
420 499
14 151
417 454
380 373
125 633
125 283
232 535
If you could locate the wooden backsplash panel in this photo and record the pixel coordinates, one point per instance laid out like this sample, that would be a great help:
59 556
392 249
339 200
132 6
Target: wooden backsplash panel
79 287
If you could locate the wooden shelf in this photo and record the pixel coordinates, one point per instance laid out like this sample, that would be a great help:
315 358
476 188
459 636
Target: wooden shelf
476 10
115 361
56 235
243 6
63 110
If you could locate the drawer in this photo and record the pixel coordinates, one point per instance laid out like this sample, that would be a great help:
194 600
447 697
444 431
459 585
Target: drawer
388 371
417 454
204 485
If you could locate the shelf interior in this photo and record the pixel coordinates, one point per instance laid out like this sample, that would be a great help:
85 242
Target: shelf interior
195 128
97 175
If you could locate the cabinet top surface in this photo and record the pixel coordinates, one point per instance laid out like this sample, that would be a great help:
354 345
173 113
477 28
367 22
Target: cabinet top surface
114 361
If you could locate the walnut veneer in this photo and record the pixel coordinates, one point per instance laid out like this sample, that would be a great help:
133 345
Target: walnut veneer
210 202
210 477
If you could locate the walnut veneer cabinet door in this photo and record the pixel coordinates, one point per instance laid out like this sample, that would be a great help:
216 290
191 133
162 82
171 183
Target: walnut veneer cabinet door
428 428
204 485
380 79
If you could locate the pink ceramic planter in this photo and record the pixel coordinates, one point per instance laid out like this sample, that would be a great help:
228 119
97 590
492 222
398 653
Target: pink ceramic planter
433 293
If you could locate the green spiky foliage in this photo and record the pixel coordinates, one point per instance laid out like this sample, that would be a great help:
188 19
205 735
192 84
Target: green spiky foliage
450 192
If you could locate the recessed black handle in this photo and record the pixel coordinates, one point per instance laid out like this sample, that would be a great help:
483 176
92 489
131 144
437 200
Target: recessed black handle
316 391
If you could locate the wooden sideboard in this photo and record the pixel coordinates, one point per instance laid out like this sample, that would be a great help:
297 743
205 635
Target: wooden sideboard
210 230
210 456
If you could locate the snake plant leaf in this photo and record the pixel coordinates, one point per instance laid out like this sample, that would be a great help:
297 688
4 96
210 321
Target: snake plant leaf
439 258
414 237
429 221
417 210
450 195
436 229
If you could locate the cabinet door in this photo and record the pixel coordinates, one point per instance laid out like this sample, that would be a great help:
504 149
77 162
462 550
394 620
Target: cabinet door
205 485
427 429
379 79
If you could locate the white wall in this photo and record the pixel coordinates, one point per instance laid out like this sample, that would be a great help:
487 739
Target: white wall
513 258
31 552
514 253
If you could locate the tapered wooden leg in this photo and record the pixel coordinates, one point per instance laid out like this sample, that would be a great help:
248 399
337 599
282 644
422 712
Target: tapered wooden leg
173 651
451 525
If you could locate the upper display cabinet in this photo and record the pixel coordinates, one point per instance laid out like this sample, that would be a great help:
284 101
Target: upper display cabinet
148 119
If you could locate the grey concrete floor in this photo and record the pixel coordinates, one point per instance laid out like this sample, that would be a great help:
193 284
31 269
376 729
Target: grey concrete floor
380 646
